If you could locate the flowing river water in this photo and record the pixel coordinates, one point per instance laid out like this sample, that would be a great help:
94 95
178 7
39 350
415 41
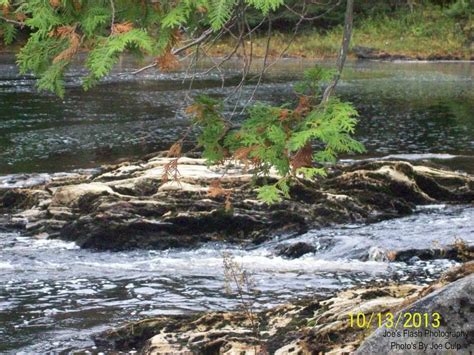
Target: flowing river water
55 296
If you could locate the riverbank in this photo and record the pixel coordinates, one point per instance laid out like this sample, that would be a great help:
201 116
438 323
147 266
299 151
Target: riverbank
316 325
427 33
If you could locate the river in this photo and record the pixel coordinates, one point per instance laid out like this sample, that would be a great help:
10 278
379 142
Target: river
55 296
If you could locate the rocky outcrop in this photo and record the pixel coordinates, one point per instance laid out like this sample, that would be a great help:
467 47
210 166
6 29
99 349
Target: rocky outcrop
309 326
455 334
135 206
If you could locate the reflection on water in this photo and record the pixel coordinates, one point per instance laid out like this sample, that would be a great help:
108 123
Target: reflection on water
404 107
53 296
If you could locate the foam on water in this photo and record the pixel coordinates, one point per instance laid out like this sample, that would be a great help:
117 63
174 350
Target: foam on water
52 292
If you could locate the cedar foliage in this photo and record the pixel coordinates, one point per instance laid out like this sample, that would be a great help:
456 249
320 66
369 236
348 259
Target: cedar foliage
279 139
107 28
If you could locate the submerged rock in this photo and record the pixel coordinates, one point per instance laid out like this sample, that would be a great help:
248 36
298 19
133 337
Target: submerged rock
296 250
308 326
136 206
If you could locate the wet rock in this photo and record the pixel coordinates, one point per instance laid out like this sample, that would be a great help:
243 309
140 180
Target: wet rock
309 326
14 199
455 305
131 205
458 252
296 250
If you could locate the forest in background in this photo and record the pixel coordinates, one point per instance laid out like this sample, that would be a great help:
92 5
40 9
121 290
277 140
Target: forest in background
412 28
424 29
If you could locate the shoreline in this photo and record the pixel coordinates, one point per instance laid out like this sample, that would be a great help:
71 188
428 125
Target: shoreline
313 324
391 57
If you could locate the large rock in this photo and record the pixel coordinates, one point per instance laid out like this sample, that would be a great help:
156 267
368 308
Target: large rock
455 335
138 206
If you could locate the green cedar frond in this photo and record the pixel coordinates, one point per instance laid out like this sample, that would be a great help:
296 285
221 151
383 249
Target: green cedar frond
265 6
106 54
177 16
52 79
8 31
269 194
95 17
220 12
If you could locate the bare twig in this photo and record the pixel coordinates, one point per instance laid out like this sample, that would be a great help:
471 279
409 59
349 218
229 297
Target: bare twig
341 59
264 64
112 20
176 51
303 16
14 22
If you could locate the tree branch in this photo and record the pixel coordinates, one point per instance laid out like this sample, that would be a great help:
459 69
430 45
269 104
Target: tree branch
341 59
303 16
18 23
176 51
112 6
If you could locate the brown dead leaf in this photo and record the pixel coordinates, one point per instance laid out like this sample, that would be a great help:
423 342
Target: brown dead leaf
304 106
20 16
55 3
69 52
215 189
62 31
122 27
167 61
243 153
284 114
77 5
303 158
175 150
171 172
201 9
6 10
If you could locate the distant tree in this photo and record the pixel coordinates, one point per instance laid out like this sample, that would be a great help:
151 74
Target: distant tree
279 138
